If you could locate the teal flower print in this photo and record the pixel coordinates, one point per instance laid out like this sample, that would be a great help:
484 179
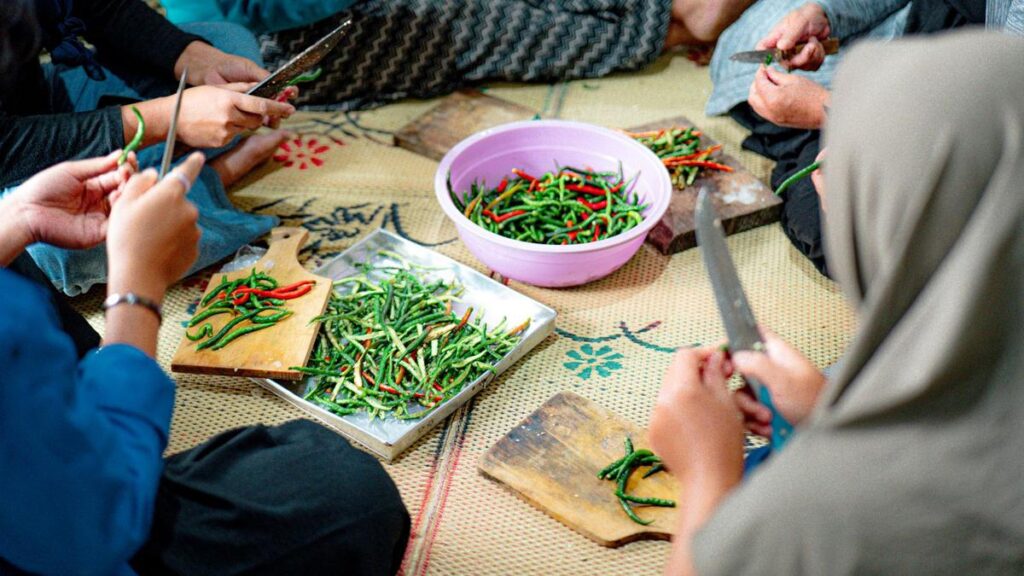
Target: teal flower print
587 361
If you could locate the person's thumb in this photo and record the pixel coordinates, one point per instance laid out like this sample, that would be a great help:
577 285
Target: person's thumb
755 365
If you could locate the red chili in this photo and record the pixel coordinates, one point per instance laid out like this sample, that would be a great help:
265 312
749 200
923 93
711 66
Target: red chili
592 205
503 185
438 387
597 233
465 318
586 189
501 218
522 174
389 390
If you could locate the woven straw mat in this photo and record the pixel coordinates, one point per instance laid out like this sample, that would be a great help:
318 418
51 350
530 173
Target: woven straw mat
356 181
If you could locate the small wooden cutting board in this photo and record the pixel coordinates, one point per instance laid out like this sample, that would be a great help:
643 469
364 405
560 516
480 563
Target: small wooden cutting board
743 201
552 458
456 118
268 353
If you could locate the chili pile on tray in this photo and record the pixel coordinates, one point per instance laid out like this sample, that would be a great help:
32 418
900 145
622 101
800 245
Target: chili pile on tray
255 302
390 344
680 152
567 206
620 471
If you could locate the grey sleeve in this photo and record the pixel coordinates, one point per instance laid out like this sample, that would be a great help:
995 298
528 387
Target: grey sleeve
852 17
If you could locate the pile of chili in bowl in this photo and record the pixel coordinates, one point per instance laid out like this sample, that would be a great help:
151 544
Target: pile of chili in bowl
552 203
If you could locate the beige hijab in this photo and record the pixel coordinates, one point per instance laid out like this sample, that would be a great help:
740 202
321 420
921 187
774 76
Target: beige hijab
913 462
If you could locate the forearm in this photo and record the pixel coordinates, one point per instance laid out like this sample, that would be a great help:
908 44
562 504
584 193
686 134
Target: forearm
697 503
14 234
156 114
136 326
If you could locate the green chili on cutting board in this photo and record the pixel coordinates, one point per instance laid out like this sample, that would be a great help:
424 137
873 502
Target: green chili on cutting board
620 471
390 344
255 302
680 151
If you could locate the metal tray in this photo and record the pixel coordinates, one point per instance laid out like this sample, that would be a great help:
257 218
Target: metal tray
389 437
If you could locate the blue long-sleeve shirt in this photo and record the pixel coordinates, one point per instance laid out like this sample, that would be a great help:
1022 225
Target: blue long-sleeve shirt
80 443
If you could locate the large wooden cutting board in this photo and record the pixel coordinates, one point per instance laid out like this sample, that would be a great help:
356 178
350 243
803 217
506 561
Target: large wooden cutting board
456 118
743 201
552 458
267 353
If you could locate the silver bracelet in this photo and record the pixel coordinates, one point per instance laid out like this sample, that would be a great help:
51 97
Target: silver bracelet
134 299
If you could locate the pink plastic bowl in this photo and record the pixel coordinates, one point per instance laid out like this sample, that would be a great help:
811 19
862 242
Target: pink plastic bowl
535 146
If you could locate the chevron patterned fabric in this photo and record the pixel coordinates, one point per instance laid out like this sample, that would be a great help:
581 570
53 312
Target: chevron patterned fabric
423 48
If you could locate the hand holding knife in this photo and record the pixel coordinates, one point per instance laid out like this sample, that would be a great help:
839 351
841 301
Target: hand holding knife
831 46
733 307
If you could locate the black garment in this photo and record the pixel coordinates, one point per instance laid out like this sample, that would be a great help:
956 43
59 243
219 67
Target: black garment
82 334
292 499
929 16
792 149
33 133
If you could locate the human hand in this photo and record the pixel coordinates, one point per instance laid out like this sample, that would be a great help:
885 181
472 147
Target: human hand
794 382
152 238
787 99
807 23
695 427
210 66
67 205
212 115
818 178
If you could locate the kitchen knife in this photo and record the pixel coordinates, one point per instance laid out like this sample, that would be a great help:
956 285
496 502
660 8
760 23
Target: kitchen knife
831 46
172 132
733 307
310 57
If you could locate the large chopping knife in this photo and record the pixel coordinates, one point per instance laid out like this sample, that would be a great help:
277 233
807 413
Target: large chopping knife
310 57
739 321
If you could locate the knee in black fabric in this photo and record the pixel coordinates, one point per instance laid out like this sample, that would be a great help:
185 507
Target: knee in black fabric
291 499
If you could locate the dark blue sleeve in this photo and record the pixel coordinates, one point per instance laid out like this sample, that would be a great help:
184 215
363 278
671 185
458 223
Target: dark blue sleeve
80 458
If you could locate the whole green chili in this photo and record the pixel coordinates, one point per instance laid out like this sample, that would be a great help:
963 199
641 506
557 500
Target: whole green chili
798 175
140 132
620 471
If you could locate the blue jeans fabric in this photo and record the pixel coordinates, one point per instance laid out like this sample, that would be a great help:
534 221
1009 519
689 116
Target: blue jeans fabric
224 228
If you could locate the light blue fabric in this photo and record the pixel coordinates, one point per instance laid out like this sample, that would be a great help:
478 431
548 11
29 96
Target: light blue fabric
259 16
80 459
224 228
731 80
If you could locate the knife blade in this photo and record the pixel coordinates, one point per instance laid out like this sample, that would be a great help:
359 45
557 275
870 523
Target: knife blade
738 318
172 132
831 46
310 57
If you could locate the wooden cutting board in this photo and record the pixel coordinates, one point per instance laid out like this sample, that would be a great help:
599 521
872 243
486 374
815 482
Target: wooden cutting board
267 353
552 458
744 202
457 117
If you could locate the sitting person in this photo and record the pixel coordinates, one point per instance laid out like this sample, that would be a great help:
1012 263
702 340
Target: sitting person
78 106
907 461
423 48
786 111
86 489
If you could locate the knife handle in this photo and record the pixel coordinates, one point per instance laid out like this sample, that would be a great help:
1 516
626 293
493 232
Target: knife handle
782 430
831 46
